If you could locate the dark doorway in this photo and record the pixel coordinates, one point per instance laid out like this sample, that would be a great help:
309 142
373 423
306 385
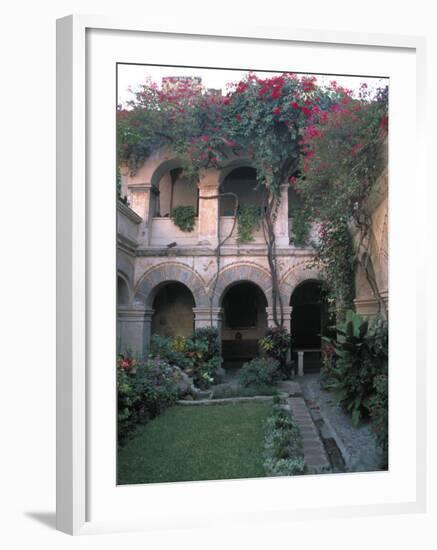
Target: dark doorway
244 323
308 322
173 305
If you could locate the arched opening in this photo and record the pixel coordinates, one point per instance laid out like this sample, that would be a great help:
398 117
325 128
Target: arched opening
242 182
173 304
244 323
122 292
175 190
309 318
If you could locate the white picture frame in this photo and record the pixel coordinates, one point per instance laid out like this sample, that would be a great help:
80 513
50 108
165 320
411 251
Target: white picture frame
76 289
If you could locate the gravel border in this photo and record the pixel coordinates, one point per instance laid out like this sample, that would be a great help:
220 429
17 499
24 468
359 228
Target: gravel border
358 445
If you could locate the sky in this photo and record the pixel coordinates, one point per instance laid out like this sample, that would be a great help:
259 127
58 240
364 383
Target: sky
134 75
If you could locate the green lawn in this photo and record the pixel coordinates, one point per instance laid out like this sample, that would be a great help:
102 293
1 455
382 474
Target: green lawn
189 443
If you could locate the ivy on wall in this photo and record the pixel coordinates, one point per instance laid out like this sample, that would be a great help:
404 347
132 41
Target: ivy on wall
184 217
249 219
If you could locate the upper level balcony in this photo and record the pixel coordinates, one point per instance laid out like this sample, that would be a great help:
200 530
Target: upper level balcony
160 186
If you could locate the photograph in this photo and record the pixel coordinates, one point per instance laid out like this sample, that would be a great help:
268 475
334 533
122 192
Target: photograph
252 273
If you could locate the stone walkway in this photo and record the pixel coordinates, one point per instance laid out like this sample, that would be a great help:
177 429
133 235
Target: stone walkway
314 453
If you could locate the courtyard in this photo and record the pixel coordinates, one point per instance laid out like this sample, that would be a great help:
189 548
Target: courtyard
252 278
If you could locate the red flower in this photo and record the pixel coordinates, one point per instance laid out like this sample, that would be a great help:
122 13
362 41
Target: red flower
238 117
295 105
276 111
276 92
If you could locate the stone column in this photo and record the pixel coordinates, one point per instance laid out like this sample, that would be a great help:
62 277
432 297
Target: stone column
282 236
134 329
202 317
142 199
300 363
287 316
209 208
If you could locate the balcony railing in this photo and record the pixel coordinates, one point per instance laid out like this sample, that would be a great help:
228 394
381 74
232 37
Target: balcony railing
226 223
164 232
127 222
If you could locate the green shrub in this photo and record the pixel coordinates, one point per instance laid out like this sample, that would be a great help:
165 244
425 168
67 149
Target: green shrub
184 217
172 350
143 391
378 407
199 355
276 344
361 354
260 371
300 227
283 444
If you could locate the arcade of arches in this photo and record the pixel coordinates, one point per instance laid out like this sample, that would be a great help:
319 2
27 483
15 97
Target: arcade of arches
168 282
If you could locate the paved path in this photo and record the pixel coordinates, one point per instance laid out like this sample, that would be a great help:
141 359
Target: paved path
314 453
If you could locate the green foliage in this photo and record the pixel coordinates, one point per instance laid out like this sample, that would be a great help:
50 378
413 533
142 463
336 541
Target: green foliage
361 355
171 350
334 256
343 154
378 407
198 356
301 226
283 444
143 391
184 217
249 218
264 117
260 371
276 344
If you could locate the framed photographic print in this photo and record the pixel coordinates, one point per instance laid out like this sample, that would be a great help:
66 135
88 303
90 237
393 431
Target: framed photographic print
233 283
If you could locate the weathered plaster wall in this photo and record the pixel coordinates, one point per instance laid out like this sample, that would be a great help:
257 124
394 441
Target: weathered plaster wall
173 312
377 248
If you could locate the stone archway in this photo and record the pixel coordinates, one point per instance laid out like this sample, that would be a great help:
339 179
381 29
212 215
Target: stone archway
170 272
173 305
244 322
138 317
249 272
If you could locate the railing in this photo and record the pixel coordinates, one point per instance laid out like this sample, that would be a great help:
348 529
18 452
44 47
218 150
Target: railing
127 222
226 223
313 235
165 232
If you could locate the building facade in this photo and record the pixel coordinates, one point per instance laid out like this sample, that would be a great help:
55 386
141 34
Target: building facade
171 281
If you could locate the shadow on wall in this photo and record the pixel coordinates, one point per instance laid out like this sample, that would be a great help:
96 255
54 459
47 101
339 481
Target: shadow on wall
173 305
